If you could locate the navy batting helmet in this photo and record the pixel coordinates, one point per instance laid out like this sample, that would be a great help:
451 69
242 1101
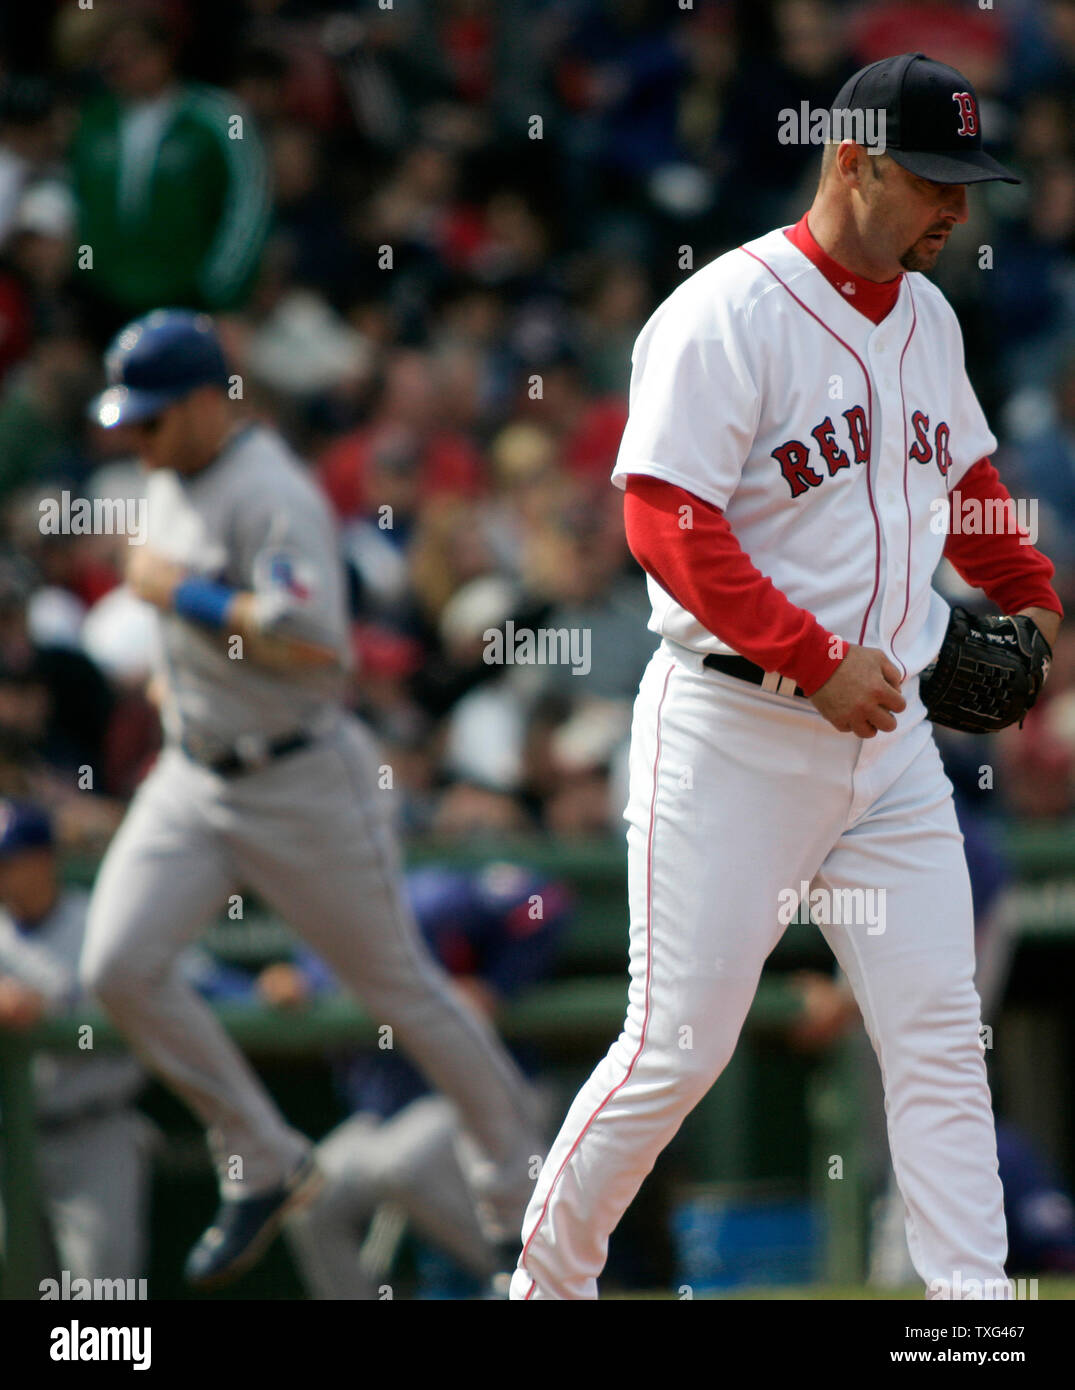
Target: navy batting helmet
155 361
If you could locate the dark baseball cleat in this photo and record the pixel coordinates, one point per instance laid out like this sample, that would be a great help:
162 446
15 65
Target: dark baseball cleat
243 1230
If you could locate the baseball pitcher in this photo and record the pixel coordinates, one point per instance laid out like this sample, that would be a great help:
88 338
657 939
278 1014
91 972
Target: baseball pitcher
800 415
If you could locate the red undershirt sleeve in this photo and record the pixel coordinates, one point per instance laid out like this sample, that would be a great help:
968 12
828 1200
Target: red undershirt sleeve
1007 568
707 572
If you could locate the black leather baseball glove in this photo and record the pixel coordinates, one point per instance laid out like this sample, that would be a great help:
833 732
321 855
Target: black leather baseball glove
987 673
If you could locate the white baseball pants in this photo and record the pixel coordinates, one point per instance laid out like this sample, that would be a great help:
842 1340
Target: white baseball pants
736 797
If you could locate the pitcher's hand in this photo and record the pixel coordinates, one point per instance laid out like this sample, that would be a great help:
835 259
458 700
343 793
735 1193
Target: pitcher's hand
861 694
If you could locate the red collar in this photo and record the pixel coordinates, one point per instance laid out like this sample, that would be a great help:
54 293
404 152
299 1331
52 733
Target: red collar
867 296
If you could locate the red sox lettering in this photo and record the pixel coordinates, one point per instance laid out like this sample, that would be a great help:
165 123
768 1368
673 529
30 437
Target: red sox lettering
794 456
921 451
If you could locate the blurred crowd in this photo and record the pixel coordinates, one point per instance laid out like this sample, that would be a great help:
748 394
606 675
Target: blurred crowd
431 231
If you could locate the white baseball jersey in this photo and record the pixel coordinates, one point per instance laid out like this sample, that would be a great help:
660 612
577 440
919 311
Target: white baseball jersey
824 437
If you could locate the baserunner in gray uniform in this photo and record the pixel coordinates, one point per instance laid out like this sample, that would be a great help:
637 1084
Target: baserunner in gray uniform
266 782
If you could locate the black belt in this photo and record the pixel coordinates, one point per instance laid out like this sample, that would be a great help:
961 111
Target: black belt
744 669
234 763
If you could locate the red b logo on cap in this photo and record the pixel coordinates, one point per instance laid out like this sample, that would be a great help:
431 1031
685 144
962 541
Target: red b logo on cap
968 113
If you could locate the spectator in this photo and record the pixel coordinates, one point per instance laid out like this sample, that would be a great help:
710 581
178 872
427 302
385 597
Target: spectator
1042 459
171 182
53 700
1030 288
1036 765
37 266
406 423
42 413
29 144
587 428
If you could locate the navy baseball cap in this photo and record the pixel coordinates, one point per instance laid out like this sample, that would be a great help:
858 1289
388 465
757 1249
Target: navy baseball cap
23 826
932 123
155 361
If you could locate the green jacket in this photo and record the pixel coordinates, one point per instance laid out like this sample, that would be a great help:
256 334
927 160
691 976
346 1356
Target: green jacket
187 229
